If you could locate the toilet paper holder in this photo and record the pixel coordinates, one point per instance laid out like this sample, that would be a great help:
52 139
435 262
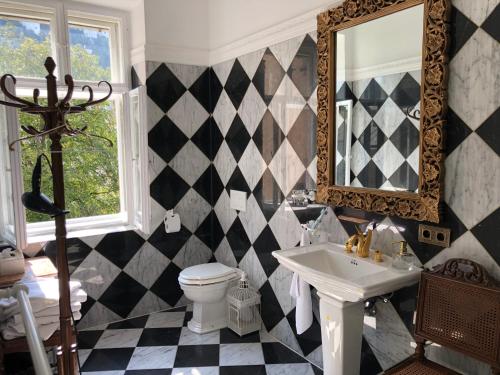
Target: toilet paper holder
172 222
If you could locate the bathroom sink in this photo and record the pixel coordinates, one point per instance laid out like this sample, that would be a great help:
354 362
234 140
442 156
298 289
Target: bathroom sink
343 282
345 276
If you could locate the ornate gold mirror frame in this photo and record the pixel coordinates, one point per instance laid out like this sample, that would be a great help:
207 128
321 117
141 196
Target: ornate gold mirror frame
424 205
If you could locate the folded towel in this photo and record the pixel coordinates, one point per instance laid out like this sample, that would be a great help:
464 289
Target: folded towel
43 316
301 291
18 325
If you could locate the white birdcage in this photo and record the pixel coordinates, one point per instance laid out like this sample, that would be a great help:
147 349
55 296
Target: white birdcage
243 305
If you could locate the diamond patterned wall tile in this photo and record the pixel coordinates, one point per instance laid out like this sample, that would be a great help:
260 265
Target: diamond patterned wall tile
225 255
193 253
286 52
252 165
302 136
302 70
268 76
167 286
237 182
168 188
147 265
200 89
188 114
490 25
489 131
169 243
486 232
237 84
373 98
462 30
190 163
253 219
164 88
185 206
264 245
119 248
407 93
237 138
122 295
238 240
252 109
166 129
405 138
224 113
224 163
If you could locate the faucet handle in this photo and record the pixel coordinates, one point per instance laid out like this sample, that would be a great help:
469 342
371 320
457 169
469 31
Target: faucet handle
403 246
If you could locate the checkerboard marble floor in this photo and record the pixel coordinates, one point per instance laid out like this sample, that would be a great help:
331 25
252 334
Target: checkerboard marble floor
161 344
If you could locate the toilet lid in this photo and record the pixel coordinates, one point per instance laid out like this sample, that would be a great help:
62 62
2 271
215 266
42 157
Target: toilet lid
206 274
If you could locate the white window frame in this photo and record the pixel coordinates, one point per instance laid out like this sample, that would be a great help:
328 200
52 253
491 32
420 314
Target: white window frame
60 15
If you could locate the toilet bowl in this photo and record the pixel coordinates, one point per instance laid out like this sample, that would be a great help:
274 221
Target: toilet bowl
206 285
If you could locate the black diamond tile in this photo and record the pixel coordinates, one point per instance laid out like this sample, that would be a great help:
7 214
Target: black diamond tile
133 323
238 240
461 30
407 93
187 318
405 303
237 138
276 353
487 233
200 89
229 337
341 138
305 182
168 188
309 340
123 295
268 76
169 243
373 98
215 90
406 138
243 370
303 68
237 182
160 337
120 247
271 310
88 339
210 231
268 194
166 139
371 176
77 251
204 184
369 364
164 88
306 214
87 305
405 178
208 138
302 136
167 286
268 137
264 245
372 138
134 78
450 220
345 93
489 131
197 356
492 24
163 371
108 359
456 131
340 173
237 84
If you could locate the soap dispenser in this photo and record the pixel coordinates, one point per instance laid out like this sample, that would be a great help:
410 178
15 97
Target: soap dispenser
403 260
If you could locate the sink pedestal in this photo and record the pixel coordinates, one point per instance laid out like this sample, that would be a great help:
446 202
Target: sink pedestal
341 335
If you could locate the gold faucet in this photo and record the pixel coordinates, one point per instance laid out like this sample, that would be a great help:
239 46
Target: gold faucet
361 241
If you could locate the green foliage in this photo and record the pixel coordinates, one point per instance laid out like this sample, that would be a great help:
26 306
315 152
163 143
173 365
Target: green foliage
90 165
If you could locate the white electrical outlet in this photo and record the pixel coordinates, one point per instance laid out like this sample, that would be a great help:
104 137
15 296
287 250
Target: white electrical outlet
238 200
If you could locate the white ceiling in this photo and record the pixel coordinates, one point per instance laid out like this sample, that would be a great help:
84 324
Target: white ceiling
116 4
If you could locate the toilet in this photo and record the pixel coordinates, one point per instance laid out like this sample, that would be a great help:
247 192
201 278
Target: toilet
207 285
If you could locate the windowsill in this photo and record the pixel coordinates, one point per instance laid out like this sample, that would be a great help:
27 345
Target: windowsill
81 227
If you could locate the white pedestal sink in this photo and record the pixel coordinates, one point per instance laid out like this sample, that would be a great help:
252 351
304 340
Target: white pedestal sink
343 282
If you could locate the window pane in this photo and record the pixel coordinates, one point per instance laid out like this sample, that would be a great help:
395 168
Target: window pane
91 173
90 53
24 46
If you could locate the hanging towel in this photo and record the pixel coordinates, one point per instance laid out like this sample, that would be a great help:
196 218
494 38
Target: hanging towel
302 293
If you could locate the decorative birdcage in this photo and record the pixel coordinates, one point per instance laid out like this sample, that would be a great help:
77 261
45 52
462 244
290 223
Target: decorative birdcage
243 303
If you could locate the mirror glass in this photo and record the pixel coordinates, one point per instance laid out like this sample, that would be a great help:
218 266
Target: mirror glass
378 71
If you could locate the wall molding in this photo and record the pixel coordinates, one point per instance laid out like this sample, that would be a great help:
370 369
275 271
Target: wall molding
393 67
169 53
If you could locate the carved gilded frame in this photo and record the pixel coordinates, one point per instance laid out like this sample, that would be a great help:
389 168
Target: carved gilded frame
424 205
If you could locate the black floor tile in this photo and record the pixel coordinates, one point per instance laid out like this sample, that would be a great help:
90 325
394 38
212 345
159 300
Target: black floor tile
277 353
139 322
243 370
160 337
187 318
197 356
165 371
108 359
88 339
229 337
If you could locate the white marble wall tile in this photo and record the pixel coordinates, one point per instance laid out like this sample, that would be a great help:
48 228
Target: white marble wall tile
388 159
92 241
359 158
119 338
477 10
224 212
152 357
251 61
225 163
252 165
83 354
280 281
190 163
224 113
187 74
140 70
193 253
360 119
193 209
151 66
286 51
286 227
331 224
147 265
157 214
471 180
389 82
387 336
225 255
314 35
253 220
389 117
359 87
96 274
155 113
252 109
155 165
188 114
414 160
474 87
97 313
150 302
241 354
222 70
251 265
313 101
286 167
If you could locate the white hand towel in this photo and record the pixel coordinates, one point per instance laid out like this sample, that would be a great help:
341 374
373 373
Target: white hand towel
302 293
42 317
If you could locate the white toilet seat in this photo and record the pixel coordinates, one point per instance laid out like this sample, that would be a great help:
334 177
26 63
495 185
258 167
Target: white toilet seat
206 274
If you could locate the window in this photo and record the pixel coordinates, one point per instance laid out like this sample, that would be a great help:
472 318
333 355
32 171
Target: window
105 188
